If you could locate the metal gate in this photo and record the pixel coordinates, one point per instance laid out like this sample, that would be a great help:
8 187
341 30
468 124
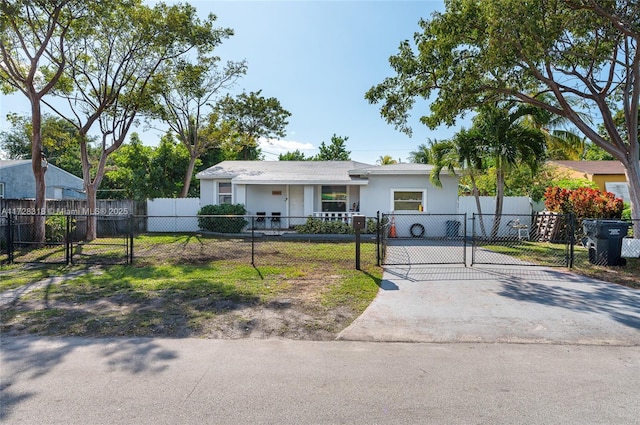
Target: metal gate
423 239
543 239
65 242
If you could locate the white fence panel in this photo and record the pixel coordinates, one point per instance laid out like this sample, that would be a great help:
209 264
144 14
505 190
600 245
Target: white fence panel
173 214
512 205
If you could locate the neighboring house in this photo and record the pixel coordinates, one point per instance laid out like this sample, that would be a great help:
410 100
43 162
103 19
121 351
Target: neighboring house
17 182
326 189
608 175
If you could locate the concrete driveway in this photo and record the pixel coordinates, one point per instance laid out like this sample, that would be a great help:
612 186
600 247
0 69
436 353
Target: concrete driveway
515 304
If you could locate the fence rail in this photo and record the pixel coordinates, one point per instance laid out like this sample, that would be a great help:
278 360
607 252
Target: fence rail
551 240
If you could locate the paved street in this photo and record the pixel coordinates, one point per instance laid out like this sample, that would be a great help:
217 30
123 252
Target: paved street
194 381
502 345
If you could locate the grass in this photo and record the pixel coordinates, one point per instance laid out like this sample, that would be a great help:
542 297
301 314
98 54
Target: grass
554 254
189 299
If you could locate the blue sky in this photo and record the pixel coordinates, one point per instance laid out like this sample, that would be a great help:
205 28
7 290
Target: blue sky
318 58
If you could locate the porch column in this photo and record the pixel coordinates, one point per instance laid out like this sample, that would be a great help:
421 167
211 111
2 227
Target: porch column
308 200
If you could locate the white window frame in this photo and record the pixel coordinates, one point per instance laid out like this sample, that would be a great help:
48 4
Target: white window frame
423 201
220 194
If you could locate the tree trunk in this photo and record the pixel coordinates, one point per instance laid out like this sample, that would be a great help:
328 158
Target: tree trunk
187 176
499 202
92 213
632 171
476 195
38 171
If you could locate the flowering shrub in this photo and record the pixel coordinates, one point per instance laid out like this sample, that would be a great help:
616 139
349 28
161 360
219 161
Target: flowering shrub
584 202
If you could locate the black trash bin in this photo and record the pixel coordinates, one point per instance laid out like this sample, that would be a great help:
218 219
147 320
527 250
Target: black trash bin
604 240
453 228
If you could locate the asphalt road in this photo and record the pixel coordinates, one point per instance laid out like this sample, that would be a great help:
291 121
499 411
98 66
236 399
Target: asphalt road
195 381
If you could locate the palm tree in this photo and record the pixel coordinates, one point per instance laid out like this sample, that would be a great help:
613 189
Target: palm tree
422 155
386 160
462 152
507 141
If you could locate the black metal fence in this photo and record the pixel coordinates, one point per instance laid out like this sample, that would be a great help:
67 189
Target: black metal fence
540 239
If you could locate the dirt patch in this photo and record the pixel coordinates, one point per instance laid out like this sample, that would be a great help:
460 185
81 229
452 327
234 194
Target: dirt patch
297 313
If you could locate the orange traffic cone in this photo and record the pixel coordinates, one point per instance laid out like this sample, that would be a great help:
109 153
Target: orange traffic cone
392 228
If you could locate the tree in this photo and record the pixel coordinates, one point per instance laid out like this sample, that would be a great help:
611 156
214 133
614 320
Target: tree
33 58
60 141
254 116
386 160
292 156
335 151
422 155
112 69
582 52
185 89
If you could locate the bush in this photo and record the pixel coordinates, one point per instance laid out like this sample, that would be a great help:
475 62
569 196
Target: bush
315 226
217 218
584 202
56 227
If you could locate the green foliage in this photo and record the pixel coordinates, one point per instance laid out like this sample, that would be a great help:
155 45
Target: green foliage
335 151
316 226
292 156
583 202
480 52
56 227
626 212
219 218
253 116
573 184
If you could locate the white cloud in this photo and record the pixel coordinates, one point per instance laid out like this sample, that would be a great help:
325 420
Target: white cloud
276 146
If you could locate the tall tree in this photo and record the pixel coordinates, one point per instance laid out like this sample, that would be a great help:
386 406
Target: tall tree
33 58
254 116
186 89
334 151
60 141
479 51
507 143
112 70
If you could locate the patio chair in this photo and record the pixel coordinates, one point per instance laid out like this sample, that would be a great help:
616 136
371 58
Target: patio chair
275 219
261 219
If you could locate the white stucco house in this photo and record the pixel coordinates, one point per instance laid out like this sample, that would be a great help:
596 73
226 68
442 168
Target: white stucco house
329 189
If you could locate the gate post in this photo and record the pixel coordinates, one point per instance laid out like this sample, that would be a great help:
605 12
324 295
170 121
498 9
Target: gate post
572 239
67 241
378 238
10 238
253 240
131 227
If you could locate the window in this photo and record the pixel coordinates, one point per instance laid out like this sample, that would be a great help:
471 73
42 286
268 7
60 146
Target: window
408 200
334 198
224 193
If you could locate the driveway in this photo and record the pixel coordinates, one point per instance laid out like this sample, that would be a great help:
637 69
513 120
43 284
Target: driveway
513 304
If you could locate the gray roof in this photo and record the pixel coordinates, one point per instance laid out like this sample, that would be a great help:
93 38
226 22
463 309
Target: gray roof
285 172
396 169
592 167
6 163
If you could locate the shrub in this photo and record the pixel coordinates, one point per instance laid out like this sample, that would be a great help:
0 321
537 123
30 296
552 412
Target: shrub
219 218
317 226
584 202
56 227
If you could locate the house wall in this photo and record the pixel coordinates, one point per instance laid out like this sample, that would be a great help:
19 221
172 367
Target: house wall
602 179
19 183
207 192
376 196
262 198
